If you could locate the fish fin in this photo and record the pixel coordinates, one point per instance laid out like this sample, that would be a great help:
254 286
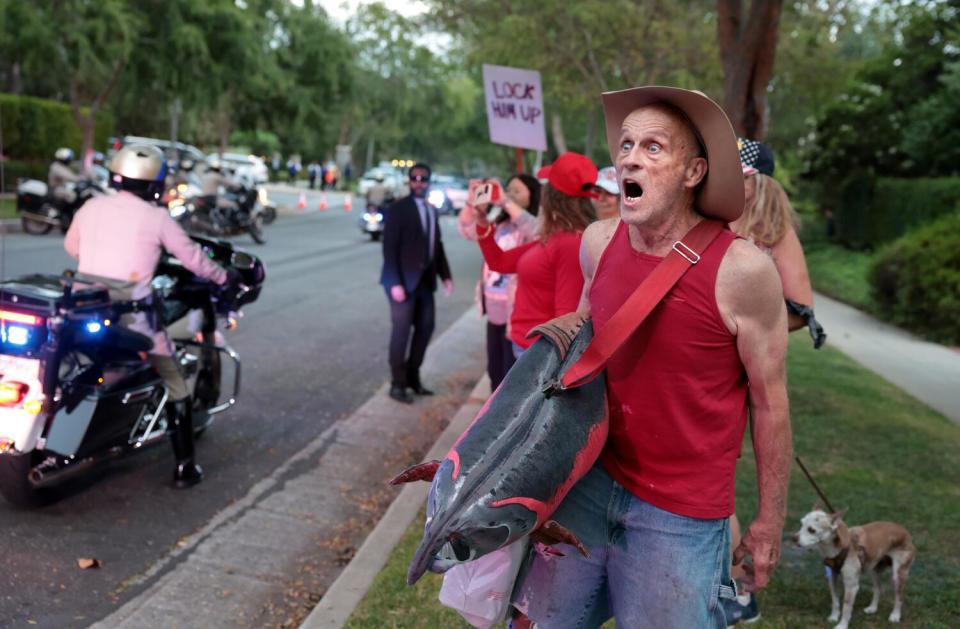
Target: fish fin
552 532
421 471
561 331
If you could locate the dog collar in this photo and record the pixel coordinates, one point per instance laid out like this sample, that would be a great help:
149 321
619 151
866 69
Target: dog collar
836 562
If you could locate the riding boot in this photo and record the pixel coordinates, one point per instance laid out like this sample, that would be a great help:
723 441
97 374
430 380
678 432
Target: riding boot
186 473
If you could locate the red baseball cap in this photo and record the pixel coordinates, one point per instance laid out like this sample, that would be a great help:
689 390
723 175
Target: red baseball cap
573 174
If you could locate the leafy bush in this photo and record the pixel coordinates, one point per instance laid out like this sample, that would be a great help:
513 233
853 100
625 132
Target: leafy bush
916 279
15 169
898 116
33 128
874 211
256 141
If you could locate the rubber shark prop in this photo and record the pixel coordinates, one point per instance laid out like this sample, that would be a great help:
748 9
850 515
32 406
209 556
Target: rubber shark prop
512 467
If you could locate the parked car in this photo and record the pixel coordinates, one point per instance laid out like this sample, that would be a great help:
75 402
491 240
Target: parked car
249 167
448 193
174 151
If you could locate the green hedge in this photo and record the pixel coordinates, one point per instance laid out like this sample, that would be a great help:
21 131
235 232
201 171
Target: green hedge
17 169
872 211
33 128
916 279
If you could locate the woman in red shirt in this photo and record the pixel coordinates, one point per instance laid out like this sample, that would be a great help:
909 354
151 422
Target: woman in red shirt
549 279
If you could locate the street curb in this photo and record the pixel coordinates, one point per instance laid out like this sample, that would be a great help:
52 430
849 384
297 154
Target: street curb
346 592
223 574
10 226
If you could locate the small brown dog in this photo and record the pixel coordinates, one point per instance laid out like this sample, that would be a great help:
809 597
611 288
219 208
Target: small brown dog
850 552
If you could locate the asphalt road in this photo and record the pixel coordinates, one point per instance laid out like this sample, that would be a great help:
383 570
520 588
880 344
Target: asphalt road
313 350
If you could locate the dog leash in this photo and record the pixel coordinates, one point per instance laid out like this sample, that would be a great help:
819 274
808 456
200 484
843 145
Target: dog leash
685 253
815 486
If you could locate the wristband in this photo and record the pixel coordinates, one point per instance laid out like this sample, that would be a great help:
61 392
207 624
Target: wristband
486 233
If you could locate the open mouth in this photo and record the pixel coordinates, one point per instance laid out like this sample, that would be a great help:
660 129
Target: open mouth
632 191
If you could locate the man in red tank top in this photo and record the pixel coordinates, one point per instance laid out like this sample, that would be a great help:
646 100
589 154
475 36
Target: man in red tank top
653 512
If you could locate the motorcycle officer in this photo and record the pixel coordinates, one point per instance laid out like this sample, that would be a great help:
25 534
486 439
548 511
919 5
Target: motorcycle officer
379 194
185 173
212 179
98 170
59 175
118 241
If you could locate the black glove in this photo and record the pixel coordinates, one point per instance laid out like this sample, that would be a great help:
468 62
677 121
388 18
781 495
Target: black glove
816 330
234 277
227 297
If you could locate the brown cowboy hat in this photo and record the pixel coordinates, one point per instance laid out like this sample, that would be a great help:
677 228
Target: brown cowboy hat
721 193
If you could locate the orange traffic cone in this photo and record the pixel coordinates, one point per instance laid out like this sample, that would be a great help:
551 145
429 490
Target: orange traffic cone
323 201
302 203
348 203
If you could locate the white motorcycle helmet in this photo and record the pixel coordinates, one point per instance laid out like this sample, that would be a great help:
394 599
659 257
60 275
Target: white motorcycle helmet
139 169
63 154
214 163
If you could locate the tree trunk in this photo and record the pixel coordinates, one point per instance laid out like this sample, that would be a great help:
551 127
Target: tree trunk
223 123
747 51
88 122
591 132
368 164
559 140
16 79
176 108
87 126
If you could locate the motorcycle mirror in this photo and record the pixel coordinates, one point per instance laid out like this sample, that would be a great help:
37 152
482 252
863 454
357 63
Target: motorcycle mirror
241 260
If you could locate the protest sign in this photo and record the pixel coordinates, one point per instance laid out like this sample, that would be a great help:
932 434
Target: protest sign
514 107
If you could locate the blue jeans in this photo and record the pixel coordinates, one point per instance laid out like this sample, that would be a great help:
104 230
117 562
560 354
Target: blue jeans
647 567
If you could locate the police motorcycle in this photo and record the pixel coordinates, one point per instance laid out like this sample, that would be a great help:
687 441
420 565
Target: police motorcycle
40 212
371 222
76 389
240 209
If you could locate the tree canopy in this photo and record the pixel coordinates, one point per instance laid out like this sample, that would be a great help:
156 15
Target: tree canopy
849 83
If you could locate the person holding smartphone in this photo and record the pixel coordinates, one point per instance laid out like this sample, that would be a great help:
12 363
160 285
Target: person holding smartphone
549 280
515 224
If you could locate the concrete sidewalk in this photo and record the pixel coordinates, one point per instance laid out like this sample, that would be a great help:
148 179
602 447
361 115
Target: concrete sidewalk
265 560
928 371
339 602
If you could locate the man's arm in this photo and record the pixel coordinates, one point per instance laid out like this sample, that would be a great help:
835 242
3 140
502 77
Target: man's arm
391 247
183 248
750 297
443 266
595 239
71 242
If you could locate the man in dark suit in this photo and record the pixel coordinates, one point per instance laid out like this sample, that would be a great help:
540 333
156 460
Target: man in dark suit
413 257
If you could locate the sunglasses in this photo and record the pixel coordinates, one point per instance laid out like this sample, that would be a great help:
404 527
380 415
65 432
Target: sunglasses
419 177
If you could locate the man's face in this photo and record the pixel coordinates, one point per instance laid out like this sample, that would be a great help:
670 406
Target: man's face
419 182
607 205
657 165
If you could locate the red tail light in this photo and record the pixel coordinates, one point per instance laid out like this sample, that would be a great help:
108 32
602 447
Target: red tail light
20 317
12 393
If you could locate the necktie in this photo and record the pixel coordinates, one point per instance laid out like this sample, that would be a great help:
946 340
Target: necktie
426 221
429 231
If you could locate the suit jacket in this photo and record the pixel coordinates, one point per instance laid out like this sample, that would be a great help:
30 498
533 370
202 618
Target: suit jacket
405 249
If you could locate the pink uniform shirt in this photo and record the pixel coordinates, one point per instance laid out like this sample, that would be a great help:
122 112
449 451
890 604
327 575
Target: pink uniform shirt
122 236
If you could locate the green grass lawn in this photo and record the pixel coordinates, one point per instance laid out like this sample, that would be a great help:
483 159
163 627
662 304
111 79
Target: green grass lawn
8 208
834 270
872 448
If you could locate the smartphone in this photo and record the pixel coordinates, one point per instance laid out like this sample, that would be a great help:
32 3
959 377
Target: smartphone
497 192
483 194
